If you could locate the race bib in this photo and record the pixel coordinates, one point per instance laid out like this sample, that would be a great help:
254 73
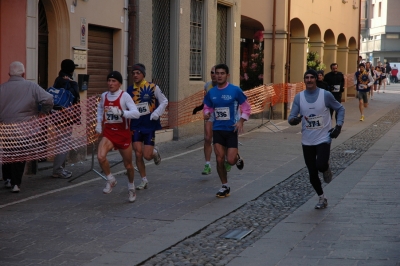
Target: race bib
361 87
314 122
110 117
336 88
143 108
222 113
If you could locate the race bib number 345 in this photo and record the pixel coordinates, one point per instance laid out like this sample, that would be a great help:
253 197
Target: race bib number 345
222 113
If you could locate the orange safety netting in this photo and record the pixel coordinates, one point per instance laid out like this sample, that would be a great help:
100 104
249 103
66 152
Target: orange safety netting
348 80
258 97
181 113
74 127
46 136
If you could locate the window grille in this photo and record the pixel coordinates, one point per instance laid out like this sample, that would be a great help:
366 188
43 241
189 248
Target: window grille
161 44
222 31
196 39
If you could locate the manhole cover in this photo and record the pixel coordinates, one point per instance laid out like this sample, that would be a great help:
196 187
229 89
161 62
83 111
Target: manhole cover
236 234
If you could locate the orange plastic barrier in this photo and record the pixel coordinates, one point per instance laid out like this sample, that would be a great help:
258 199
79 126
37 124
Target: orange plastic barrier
49 135
258 97
181 113
348 80
57 133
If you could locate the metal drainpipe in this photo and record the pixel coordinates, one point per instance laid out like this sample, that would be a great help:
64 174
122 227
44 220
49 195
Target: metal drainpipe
273 43
359 31
131 33
287 66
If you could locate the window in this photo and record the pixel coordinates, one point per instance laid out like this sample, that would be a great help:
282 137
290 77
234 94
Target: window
379 9
196 39
222 31
392 36
161 44
372 10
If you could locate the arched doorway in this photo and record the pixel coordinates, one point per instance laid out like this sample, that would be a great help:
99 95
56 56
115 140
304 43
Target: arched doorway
352 64
55 16
315 42
43 47
330 48
298 50
251 53
342 53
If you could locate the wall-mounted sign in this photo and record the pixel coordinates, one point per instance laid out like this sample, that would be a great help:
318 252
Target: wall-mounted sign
83 31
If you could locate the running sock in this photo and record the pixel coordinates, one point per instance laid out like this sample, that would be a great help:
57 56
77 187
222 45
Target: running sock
208 163
322 196
131 185
144 179
110 177
226 184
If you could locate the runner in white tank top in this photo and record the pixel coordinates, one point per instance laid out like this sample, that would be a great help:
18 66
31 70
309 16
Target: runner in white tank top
313 107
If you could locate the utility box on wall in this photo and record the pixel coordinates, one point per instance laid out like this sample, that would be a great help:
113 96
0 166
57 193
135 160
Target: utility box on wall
80 57
83 82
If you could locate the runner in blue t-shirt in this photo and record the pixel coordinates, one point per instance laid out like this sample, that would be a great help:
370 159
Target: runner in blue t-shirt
224 101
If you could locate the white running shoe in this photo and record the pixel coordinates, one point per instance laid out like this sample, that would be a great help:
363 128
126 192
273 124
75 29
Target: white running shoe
132 195
62 174
15 189
322 203
7 184
109 186
157 157
142 185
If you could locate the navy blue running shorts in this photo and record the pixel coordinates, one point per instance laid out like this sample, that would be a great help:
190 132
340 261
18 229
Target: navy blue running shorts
148 138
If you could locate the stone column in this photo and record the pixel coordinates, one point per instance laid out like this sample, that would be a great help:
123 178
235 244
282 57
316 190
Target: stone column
279 68
280 56
352 67
342 58
352 62
298 58
330 54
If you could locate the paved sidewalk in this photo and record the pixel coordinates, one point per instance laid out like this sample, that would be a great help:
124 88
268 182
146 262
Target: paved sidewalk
361 225
53 222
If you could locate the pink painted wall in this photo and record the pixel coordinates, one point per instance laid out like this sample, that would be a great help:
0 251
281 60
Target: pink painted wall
12 34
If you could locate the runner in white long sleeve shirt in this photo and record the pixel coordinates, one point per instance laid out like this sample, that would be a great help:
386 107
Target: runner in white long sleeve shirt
114 112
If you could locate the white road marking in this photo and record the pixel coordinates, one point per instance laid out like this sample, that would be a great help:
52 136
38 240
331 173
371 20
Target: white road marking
99 178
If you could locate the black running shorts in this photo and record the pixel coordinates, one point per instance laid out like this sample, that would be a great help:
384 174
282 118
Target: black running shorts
227 139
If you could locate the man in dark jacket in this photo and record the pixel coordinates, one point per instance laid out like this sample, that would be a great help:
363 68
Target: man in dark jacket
335 80
320 81
388 70
65 80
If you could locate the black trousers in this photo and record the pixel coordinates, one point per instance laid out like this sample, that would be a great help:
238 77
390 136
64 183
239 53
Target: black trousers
317 158
338 98
13 171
